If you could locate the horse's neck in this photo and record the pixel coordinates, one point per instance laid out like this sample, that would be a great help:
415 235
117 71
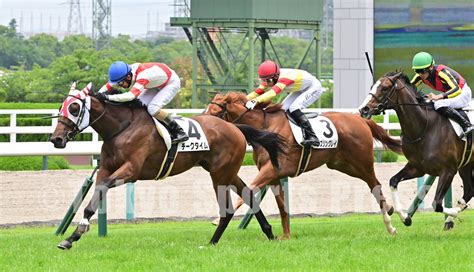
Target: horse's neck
111 122
414 119
262 119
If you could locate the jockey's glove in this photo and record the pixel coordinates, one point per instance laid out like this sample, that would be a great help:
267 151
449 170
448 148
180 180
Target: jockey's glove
102 97
250 104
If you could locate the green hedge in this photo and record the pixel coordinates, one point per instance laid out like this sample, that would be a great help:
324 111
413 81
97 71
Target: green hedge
32 163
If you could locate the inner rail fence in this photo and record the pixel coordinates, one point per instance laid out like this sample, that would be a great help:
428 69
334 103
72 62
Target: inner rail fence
15 147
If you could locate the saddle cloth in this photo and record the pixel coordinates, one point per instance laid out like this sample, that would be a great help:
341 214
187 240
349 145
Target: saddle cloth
324 129
197 139
470 114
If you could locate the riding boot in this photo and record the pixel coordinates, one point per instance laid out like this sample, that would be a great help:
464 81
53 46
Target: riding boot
458 118
309 136
177 133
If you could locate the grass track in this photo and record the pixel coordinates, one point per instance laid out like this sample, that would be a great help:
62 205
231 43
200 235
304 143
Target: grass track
350 242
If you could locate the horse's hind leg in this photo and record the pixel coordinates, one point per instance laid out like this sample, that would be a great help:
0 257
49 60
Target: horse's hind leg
226 211
386 209
363 168
284 215
248 195
467 180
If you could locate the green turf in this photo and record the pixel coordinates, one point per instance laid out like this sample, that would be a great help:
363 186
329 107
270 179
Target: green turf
351 242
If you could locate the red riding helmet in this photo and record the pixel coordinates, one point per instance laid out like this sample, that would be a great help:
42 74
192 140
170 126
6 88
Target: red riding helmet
268 69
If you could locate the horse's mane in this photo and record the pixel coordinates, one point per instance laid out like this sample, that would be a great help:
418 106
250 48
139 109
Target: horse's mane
268 107
404 78
133 104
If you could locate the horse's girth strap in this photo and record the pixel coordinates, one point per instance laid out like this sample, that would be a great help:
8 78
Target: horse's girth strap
304 160
168 162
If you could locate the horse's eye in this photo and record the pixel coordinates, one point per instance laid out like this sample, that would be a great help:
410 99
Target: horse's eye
74 109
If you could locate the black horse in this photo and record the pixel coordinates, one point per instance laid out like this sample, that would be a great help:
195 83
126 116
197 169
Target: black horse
429 142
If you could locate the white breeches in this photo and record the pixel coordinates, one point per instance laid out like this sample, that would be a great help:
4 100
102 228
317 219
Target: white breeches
303 98
156 99
457 102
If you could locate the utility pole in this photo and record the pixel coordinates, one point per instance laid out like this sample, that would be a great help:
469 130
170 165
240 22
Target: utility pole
74 23
101 22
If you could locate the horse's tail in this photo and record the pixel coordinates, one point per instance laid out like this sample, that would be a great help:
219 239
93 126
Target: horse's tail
380 134
272 142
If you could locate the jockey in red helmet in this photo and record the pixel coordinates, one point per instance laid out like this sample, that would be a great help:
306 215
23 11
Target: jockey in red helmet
303 88
155 84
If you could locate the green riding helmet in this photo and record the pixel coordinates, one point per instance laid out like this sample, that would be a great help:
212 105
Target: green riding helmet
422 60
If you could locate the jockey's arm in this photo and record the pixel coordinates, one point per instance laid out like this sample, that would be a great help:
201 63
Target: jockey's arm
106 88
416 80
454 87
275 90
259 91
134 92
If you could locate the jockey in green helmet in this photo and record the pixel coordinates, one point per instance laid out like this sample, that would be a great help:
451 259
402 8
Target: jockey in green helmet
454 91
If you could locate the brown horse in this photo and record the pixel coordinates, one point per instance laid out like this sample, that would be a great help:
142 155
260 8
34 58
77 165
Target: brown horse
429 142
353 154
133 150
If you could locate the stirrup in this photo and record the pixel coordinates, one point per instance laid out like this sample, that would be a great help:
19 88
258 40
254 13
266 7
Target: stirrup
179 139
468 131
314 142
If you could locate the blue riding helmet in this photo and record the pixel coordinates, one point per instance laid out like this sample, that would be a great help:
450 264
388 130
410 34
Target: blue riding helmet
118 71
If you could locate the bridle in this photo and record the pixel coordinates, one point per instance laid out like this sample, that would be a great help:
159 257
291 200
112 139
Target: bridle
224 113
74 126
383 104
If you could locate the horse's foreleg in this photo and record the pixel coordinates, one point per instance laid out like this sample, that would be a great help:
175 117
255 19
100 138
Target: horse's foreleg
102 186
408 172
385 208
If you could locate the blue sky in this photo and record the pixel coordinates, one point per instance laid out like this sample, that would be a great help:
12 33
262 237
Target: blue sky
128 16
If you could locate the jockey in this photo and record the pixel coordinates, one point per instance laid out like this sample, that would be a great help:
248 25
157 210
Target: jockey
155 84
455 93
304 90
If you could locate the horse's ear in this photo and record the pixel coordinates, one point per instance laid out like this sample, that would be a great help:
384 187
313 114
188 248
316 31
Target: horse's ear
90 86
73 86
397 75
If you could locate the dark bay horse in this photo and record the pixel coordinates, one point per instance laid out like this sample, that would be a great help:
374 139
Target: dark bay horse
352 156
429 142
133 150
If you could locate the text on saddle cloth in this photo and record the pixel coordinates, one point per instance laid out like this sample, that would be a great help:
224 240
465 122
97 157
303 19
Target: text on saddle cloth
324 129
197 139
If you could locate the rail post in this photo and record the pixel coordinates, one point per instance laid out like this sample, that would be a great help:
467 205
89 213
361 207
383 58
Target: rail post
71 212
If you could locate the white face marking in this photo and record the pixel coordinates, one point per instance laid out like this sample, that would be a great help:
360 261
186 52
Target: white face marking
372 92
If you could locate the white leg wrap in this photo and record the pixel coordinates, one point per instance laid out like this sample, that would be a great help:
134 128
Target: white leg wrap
84 221
397 206
388 223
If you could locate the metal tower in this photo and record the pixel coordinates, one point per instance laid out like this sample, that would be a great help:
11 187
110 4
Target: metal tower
101 22
74 23
226 64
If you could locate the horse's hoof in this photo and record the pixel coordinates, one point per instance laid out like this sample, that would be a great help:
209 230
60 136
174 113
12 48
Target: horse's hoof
390 212
407 221
448 225
215 222
65 245
284 238
394 232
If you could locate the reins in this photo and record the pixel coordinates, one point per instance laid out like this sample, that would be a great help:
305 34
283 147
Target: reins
394 88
